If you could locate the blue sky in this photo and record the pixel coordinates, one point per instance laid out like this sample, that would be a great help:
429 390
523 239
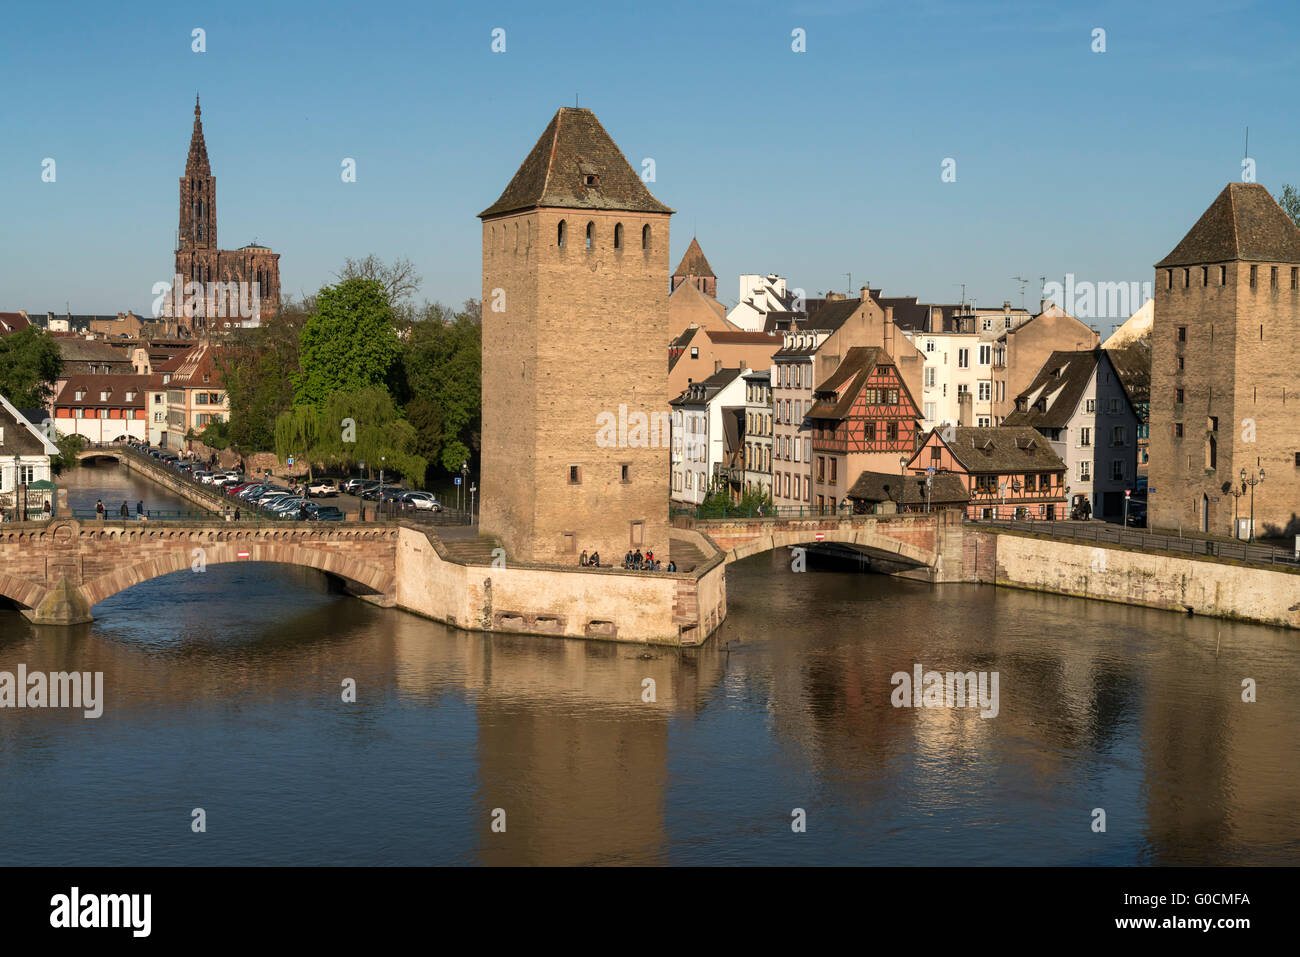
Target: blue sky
812 164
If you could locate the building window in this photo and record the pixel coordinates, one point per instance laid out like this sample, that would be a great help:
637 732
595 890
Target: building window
1117 470
929 343
591 234
1272 277
638 533
695 352
570 542
559 234
1178 396
1117 435
618 235
1180 364
624 473
1205 275
1254 276
929 377
1223 275
986 355
1085 438
645 236
891 431
986 389
1169 279
1178 430
1187 278
1085 471
1295 277
963 358
575 475
1182 333
929 411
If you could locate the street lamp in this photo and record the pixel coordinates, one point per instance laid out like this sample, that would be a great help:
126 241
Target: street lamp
462 490
1252 481
1236 494
18 463
902 482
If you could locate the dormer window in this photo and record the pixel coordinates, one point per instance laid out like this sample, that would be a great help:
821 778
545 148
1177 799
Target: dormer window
590 179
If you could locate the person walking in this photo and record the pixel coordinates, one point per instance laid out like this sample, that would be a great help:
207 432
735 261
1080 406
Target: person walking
236 513
99 509
126 512
139 508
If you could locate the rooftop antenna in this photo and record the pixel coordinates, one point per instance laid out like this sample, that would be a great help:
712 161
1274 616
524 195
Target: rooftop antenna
963 292
1246 154
850 277
1042 288
1023 283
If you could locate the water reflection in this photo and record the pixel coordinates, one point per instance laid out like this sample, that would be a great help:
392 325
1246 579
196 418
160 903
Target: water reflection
224 692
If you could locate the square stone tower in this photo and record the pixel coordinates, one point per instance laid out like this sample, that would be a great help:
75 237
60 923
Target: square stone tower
575 327
1225 368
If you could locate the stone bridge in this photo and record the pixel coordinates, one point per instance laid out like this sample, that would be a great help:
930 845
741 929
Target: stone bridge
55 571
922 546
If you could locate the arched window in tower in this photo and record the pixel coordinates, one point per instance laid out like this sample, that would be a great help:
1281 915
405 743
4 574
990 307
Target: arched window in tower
645 236
559 235
591 234
618 235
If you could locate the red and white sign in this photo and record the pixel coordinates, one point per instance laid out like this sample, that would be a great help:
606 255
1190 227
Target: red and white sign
819 536
242 554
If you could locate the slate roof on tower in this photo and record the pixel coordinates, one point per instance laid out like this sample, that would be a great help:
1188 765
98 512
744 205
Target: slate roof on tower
558 172
1243 223
694 263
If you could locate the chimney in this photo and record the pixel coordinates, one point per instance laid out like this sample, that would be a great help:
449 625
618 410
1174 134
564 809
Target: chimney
717 365
1042 305
864 293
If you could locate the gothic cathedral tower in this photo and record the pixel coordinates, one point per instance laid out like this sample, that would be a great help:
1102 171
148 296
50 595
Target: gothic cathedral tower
575 320
196 245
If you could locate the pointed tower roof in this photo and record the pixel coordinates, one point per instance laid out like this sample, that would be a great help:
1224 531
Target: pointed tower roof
575 165
694 263
197 161
1243 223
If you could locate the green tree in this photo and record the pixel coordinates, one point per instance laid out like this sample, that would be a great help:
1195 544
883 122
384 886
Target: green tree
29 366
298 433
366 426
69 446
258 367
442 364
348 343
400 280
1290 201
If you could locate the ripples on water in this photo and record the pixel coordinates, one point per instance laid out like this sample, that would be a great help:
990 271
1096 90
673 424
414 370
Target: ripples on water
224 692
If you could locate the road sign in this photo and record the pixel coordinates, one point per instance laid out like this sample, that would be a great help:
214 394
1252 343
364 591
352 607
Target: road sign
1128 492
457 479
930 470
242 554
819 536
291 460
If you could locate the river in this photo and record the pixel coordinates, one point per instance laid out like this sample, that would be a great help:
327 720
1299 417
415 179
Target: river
224 691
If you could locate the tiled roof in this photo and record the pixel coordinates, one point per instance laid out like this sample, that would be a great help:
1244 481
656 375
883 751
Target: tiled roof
1132 364
12 322
742 338
948 488
833 398
831 315
704 390
117 387
77 349
554 174
1003 449
1244 222
694 263
1055 391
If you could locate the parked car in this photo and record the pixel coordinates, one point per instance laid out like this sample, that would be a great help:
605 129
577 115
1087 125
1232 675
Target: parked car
352 485
1137 515
322 488
324 513
249 492
372 492
422 501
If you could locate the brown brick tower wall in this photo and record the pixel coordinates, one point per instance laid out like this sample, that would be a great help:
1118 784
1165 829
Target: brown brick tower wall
582 333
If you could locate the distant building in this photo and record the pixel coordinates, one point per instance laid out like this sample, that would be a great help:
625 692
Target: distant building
760 295
698 353
24 461
1225 349
1020 351
878 493
863 418
695 270
196 396
11 322
1008 472
213 287
689 307
758 431
698 433
105 408
1079 404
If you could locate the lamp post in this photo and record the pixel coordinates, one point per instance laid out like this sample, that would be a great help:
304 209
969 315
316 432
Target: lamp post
1252 481
379 502
1228 489
902 483
463 488
18 462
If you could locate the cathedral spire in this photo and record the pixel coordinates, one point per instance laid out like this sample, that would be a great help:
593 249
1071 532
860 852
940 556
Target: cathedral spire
197 162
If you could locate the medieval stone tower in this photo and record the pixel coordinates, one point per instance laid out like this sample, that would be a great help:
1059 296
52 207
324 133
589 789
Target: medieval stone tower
575 317
1225 368
199 260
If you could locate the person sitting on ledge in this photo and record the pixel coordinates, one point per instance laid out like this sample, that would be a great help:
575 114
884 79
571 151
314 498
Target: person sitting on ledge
637 559
595 559
672 565
627 559
583 559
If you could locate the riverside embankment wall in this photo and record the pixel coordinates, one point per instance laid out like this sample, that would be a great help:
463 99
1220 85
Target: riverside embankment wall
1223 589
